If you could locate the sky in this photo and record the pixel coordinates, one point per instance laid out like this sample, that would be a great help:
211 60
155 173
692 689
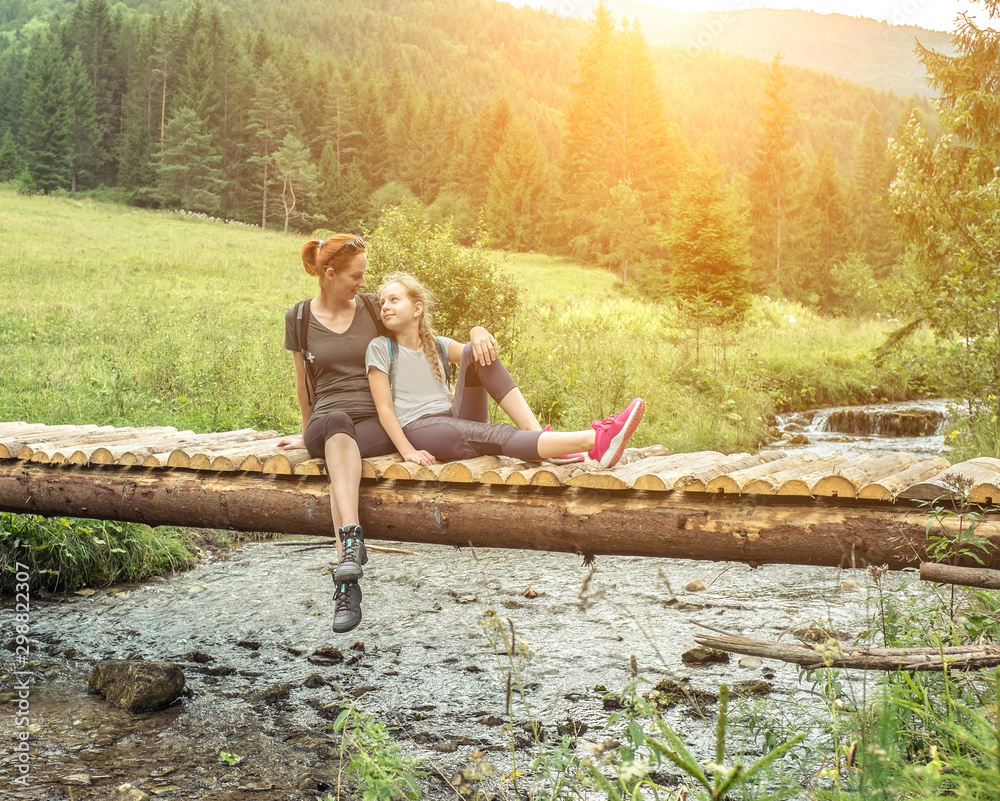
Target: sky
937 15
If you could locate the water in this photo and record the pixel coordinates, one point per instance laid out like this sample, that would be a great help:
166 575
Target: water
266 676
251 630
823 439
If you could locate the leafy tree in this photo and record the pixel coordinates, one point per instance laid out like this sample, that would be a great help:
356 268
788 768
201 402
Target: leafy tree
947 196
468 283
188 175
46 119
709 242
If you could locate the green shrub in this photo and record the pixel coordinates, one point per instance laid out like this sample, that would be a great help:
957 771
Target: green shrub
65 554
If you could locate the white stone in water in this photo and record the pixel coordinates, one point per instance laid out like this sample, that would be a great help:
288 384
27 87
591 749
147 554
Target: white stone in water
751 662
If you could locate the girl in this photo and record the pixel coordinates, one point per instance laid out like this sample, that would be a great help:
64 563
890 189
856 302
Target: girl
407 376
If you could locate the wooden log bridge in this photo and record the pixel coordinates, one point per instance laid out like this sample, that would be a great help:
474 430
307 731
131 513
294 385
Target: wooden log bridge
771 507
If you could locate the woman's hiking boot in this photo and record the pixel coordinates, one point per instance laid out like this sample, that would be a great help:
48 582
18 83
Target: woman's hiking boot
612 434
353 554
347 606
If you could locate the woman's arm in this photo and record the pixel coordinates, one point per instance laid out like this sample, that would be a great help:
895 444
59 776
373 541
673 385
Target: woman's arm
382 395
305 408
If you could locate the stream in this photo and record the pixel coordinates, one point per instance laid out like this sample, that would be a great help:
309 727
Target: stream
266 676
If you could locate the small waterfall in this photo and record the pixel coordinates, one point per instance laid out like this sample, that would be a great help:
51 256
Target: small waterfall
877 421
915 426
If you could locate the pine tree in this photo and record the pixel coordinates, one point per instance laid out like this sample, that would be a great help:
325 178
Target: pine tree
874 231
46 119
710 245
344 197
828 198
136 151
10 158
774 174
616 129
195 84
270 120
188 175
488 133
297 175
624 224
518 184
85 129
95 31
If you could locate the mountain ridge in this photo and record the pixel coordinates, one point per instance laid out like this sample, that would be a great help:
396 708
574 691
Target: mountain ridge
865 51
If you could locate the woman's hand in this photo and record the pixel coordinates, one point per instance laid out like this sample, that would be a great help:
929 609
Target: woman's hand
484 346
418 457
291 443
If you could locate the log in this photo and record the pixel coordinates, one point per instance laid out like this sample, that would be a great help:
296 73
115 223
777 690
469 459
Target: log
698 480
688 526
468 471
660 473
182 453
13 440
977 479
966 576
834 655
376 466
82 434
555 475
854 474
736 480
780 474
889 487
131 451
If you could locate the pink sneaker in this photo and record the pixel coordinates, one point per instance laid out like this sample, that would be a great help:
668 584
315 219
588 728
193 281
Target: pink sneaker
613 433
569 458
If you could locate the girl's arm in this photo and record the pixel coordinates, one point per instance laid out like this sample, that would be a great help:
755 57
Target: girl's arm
484 346
290 443
382 395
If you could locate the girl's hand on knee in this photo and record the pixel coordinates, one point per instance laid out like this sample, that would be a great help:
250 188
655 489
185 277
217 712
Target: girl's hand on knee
484 346
419 457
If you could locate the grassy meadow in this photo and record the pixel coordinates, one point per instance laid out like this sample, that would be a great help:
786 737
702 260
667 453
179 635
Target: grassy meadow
116 315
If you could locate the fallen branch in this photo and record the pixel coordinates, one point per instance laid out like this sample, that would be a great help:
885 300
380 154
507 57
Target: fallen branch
833 654
309 546
966 576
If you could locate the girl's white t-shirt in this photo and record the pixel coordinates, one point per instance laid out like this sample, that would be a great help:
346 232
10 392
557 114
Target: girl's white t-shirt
417 393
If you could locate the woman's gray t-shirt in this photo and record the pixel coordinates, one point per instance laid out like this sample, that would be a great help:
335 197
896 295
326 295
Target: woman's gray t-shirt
341 378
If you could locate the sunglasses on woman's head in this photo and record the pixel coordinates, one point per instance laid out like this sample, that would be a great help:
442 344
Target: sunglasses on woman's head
355 245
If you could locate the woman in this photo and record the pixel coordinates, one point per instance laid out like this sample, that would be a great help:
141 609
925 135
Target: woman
407 376
329 336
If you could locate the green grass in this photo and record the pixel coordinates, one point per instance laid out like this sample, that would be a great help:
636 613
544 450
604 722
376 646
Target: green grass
115 315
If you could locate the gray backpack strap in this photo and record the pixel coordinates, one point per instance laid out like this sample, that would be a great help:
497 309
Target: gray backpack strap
393 358
302 318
